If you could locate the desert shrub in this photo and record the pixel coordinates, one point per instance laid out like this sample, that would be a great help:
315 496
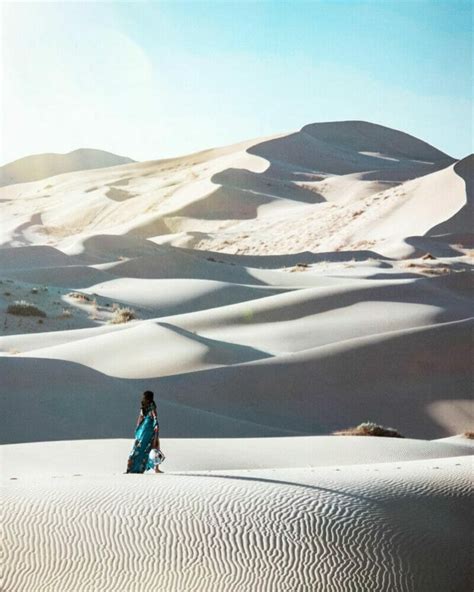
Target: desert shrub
369 428
469 435
122 315
300 267
25 309
34 290
79 296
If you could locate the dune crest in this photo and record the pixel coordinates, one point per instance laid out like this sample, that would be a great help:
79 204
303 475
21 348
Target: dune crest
270 293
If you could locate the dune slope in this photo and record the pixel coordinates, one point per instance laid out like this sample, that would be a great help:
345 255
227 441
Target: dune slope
348 527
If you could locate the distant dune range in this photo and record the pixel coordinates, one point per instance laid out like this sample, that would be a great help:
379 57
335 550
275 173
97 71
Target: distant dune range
42 166
269 293
279 287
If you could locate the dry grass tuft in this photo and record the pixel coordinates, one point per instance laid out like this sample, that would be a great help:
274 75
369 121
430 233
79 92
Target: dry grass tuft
122 315
299 267
369 428
25 309
79 296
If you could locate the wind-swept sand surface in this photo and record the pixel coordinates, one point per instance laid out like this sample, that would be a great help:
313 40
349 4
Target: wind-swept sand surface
269 293
246 519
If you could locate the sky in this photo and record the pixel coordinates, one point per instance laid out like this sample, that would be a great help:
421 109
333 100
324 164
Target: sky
157 79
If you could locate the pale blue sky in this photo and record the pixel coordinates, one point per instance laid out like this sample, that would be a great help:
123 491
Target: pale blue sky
156 79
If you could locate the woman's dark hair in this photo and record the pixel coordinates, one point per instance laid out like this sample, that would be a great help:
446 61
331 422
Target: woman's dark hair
147 400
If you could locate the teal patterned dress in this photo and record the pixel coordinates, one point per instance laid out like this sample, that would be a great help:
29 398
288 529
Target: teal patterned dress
146 431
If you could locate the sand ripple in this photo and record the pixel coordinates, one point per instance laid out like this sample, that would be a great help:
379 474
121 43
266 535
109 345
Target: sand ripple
369 527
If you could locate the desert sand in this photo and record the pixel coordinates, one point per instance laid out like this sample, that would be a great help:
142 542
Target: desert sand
329 513
269 293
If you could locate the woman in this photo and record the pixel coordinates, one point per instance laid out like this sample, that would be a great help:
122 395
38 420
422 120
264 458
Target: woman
146 436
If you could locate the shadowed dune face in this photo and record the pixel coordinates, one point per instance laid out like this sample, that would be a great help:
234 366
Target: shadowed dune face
363 137
292 286
465 216
305 393
342 148
318 189
298 284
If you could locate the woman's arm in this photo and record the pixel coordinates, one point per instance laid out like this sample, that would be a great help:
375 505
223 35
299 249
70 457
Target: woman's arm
156 430
140 418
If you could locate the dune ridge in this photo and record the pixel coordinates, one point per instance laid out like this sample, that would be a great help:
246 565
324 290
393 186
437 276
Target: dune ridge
270 293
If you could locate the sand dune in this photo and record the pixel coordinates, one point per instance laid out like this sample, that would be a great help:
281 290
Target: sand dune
41 166
269 293
276 528
201 454
299 261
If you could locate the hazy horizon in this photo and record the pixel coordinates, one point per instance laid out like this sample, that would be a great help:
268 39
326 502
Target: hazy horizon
176 78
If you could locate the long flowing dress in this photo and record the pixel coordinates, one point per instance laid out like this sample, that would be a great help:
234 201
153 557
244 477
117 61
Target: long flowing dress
147 430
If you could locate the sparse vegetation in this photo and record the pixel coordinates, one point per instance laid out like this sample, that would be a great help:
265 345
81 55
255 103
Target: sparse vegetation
34 290
25 309
122 315
300 267
429 269
469 435
79 296
369 428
